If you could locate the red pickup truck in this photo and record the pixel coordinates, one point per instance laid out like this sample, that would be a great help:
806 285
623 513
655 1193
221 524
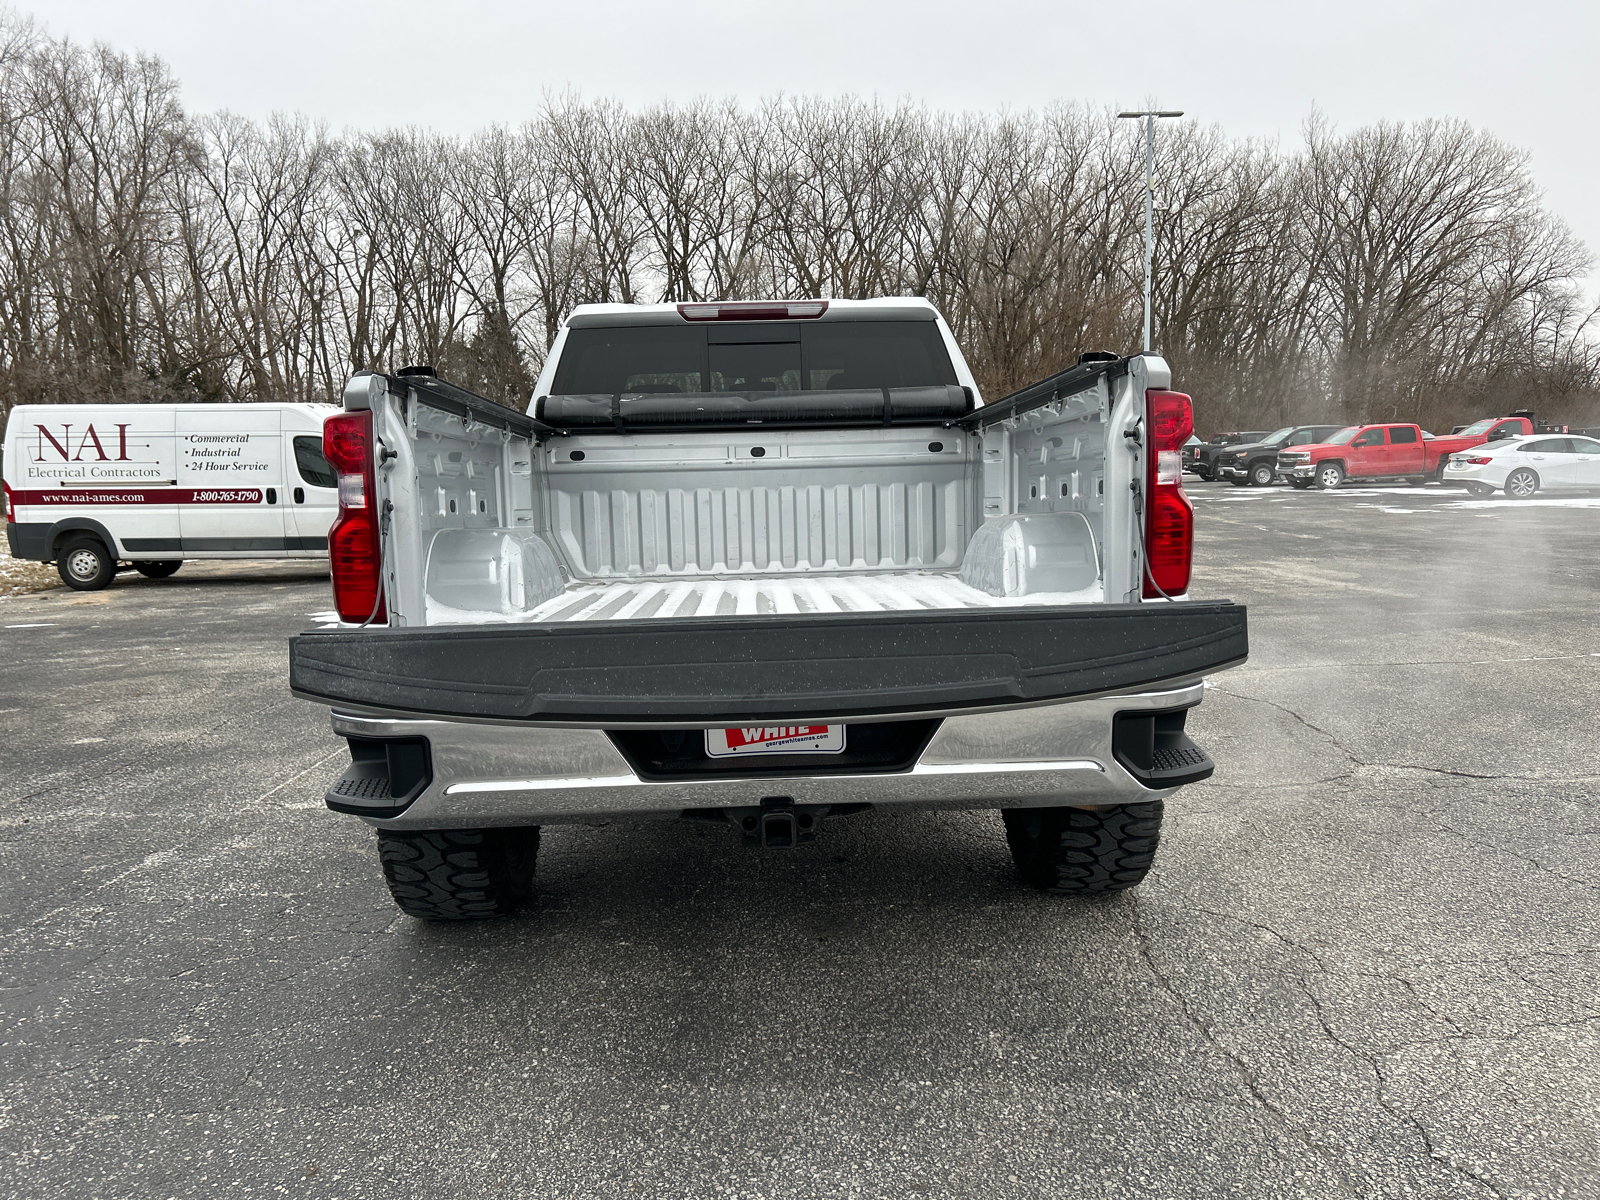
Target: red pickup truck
1388 451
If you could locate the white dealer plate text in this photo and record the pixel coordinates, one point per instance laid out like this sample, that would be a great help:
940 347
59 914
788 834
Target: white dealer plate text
774 739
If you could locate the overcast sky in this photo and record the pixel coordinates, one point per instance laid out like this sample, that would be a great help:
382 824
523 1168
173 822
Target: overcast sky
1525 70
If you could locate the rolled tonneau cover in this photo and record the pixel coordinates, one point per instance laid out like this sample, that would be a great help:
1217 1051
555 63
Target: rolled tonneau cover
811 666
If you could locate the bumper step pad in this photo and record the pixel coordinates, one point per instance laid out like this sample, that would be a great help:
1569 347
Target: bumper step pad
367 788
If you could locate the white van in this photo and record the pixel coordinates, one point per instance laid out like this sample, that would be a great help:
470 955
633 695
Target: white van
90 485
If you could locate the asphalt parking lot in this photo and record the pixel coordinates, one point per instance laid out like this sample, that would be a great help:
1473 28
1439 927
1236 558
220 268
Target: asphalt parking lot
1367 963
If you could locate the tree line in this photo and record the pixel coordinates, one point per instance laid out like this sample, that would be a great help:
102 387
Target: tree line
1394 271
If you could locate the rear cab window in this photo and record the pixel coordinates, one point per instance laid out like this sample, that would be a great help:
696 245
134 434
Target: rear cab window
758 356
1402 435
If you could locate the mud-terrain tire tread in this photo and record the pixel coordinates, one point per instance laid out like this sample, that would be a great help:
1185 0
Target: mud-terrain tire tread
1074 851
458 874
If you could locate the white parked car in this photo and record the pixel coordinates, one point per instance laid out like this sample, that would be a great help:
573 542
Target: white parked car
1524 465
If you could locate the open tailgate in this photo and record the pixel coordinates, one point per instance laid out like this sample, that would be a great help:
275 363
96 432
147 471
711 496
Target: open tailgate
814 666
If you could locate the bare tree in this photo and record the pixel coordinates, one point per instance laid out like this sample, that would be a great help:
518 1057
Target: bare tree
1396 270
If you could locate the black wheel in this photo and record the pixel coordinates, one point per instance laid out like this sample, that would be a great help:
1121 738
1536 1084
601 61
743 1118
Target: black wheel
1237 482
1480 490
1302 484
1205 476
84 563
458 874
158 570
1075 850
1262 474
1329 476
1521 484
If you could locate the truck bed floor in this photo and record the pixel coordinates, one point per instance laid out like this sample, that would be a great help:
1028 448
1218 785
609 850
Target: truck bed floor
745 596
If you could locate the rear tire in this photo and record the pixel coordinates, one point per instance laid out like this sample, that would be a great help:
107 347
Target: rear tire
158 570
1481 491
1302 484
1262 474
1075 850
1521 484
84 563
1329 476
1237 482
459 874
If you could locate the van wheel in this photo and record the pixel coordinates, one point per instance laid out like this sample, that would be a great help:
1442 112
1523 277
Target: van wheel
1521 484
1262 474
458 874
1330 476
1066 850
84 563
158 570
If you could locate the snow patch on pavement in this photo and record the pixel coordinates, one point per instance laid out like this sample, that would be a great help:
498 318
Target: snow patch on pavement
1534 502
19 576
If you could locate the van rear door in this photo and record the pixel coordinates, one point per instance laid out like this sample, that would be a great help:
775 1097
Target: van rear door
102 467
230 465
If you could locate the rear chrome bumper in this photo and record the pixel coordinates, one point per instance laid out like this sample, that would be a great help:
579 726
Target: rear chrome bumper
485 774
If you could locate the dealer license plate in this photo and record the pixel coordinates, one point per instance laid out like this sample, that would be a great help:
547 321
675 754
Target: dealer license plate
749 740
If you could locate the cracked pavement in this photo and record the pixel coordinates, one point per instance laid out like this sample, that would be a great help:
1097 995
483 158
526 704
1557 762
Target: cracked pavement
1366 964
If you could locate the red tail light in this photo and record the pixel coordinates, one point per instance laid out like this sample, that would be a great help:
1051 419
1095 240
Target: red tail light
1169 517
354 557
1478 462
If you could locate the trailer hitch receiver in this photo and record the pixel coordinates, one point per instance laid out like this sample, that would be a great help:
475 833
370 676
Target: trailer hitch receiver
779 823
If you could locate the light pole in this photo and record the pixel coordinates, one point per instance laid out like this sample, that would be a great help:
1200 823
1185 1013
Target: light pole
1149 116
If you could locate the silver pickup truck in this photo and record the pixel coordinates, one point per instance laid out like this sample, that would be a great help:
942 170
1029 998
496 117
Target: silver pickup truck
761 564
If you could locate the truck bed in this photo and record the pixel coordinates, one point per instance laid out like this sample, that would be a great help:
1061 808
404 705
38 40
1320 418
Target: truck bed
747 596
